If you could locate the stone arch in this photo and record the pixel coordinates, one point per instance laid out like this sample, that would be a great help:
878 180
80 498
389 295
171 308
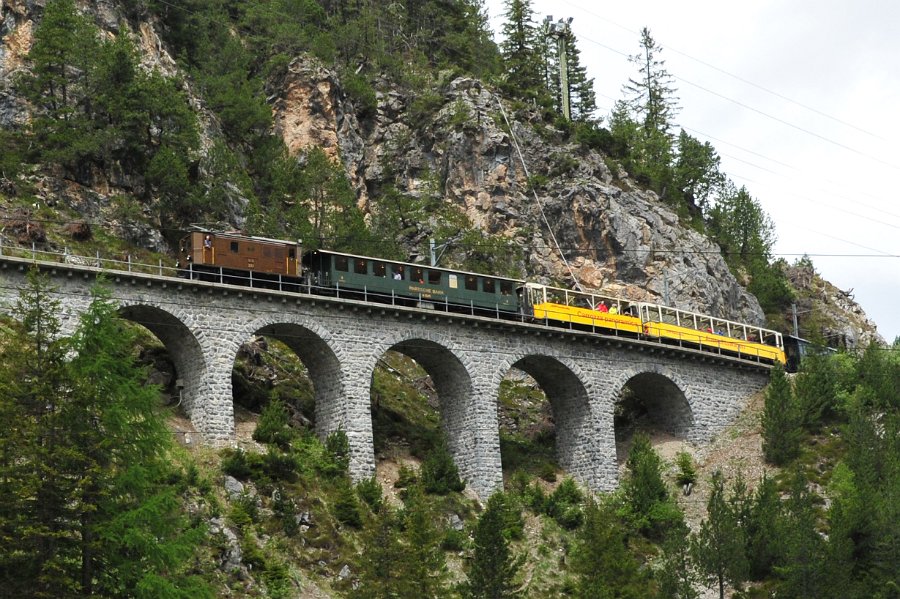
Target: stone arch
316 348
579 440
187 354
664 394
454 388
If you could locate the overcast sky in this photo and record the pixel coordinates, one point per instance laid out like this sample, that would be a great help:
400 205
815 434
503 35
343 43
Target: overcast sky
801 100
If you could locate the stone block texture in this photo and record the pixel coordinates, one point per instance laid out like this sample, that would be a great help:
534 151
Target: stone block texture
583 375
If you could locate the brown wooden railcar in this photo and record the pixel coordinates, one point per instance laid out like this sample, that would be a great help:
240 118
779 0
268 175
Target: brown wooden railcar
232 251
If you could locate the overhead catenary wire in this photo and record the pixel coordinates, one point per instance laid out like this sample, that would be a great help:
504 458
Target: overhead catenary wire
512 135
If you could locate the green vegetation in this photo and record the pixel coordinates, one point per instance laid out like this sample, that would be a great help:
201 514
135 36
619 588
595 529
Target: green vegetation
91 498
95 499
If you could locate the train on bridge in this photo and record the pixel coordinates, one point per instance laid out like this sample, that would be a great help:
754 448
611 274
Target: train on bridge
237 259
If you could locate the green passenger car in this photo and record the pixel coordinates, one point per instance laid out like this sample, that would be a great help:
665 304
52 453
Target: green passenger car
426 286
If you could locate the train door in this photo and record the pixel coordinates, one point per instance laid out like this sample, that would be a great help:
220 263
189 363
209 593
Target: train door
531 295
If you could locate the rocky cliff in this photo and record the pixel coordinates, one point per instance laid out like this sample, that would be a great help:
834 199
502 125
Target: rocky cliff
577 216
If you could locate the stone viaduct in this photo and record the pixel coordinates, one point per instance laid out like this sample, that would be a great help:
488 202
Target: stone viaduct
688 393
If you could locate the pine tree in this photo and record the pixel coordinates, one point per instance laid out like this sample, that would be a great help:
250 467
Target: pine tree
524 67
98 516
803 548
493 568
719 546
763 526
780 421
425 566
678 577
601 562
816 391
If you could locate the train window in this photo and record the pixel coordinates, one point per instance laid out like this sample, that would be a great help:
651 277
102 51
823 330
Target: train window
292 253
487 285
341 263
379 269
452 281
398 272
434 277
361 266
471 282
506 288
234 247
418 275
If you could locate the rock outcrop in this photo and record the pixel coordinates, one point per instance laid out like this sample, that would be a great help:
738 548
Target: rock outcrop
578 218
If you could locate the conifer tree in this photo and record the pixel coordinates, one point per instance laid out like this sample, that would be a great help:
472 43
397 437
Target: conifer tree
425 566
58 84
803 549
493 568
439 473
763 526
719 546
381 565
601 562
133 535
98 515
815 390
583 99
696 173
524 72
645 490
651 99
34 495
652 95
780 421
678 575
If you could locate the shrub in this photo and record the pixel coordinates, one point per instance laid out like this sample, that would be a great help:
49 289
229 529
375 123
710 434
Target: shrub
273 425
439 474
346 506
279 465
240 464
370 491
337 446
687 473
454 540
564 504
406 477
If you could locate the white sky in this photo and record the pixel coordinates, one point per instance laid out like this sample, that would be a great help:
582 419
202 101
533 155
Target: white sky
801 99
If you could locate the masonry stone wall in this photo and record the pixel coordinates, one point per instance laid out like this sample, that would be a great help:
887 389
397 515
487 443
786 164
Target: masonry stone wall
583 376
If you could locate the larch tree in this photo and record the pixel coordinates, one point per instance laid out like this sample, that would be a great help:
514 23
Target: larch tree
97 514
36 545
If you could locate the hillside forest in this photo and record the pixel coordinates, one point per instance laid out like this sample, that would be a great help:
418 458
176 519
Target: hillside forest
98 496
